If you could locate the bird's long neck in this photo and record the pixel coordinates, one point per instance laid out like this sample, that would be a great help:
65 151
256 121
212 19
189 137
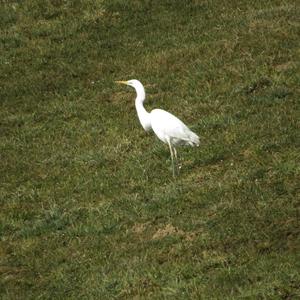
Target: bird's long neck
143 115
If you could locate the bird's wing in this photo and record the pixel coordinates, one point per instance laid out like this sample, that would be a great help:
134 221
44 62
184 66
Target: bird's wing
172 127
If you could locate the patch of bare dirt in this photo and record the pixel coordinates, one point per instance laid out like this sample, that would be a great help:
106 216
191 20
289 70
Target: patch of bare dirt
169 229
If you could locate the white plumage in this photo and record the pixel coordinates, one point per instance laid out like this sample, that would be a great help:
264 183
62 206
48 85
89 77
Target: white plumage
168 128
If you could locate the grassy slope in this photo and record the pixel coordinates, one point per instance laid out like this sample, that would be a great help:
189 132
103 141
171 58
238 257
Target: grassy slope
88 204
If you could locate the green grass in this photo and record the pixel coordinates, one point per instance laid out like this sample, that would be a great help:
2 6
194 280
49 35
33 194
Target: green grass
89 208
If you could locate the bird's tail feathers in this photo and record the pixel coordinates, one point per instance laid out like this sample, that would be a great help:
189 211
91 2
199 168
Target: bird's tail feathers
194 139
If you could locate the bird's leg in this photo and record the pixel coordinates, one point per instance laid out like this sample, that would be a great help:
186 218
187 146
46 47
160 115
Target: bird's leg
176 160
172 158
178 164
175 153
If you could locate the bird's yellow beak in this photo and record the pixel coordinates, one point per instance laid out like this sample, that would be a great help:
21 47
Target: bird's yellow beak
122 82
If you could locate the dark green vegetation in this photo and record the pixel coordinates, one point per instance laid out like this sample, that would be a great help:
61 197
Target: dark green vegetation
89 208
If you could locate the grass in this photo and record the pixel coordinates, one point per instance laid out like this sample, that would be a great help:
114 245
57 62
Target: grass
89 208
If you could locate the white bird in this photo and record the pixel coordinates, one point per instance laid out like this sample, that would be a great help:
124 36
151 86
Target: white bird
168 128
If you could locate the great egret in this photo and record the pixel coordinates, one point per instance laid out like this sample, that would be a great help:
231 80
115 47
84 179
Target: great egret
168 128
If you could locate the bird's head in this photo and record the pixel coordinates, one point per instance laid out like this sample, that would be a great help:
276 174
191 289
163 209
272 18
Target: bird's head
133 82
140 91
